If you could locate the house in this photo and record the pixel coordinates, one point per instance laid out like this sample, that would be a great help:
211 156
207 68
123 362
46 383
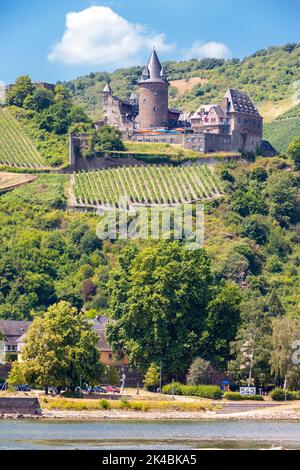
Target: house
14 335
10 332
209 118
107 356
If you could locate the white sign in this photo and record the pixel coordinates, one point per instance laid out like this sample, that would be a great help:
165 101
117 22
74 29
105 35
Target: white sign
247 391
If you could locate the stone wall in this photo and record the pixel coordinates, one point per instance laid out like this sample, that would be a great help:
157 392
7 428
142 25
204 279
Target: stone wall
4 370
22 405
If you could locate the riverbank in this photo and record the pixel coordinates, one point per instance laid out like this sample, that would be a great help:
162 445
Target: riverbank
280 413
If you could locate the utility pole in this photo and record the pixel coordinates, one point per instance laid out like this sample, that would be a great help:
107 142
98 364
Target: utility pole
160 378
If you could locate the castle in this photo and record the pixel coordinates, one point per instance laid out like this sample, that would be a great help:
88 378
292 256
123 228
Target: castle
233 125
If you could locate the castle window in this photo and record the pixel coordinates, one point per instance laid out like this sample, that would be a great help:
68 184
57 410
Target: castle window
154 109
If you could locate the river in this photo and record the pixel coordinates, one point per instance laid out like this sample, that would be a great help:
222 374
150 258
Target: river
148 435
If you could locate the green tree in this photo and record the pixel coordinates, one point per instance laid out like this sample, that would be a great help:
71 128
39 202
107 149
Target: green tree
19 92
78 115
222 322
108 138
256 228
61 349
158 301
16 375
286 331
293 152
39 100
274 305
282 192
152 377
198 372
252 345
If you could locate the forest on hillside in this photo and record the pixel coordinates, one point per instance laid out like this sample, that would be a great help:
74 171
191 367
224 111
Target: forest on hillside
244 284
267 75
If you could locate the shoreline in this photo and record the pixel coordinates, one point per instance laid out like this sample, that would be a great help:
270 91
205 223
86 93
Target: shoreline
286 413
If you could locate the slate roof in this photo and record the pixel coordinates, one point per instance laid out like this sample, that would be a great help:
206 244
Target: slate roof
12 330
14 327
106 89
240 102
205 109
99 325
153 71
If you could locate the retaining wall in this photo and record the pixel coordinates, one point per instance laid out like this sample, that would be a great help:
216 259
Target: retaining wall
22 405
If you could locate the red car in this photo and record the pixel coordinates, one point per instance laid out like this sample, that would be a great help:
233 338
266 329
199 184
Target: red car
111 389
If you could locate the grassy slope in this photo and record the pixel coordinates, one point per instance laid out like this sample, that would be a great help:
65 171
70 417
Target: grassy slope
16 149
282 130
46 191
52 147
268 76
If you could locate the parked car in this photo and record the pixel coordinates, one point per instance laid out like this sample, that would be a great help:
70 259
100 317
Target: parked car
23 388
100 389
112 389
96 389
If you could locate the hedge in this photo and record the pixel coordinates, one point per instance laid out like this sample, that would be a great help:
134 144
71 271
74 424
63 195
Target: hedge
279 394
203 391
236 396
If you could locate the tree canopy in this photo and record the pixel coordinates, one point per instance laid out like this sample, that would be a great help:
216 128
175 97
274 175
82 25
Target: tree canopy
61 349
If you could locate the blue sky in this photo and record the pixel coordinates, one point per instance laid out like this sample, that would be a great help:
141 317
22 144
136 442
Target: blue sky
105 35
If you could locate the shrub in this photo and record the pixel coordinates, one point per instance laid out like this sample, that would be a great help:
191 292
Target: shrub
139 406
152 378
278 394
203 391
104 405
236 396
124 404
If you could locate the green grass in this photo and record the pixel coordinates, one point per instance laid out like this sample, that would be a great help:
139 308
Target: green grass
146 405
16 149
47 191
284 129
148 186
52 147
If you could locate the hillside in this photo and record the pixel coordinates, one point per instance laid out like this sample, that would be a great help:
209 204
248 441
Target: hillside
151 185
269 76
283 129
16 149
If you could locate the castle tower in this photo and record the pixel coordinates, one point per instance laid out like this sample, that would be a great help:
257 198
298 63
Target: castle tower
106 94
153 100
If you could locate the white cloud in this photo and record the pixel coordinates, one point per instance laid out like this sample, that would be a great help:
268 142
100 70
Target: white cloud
216 50
99 36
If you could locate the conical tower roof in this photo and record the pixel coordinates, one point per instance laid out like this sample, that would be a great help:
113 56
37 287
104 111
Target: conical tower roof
133 96
154 65
153 71
107 89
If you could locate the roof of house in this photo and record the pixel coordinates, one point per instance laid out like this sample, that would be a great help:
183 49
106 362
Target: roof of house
206 108
13 327
99 325
240 102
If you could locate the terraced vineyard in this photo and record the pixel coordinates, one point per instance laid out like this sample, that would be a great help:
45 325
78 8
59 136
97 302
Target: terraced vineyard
283 129
16 149
145 185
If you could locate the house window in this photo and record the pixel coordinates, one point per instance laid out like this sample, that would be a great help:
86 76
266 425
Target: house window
154 109
110 356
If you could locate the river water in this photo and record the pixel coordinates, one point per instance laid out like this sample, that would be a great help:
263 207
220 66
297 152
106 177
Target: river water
148 435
